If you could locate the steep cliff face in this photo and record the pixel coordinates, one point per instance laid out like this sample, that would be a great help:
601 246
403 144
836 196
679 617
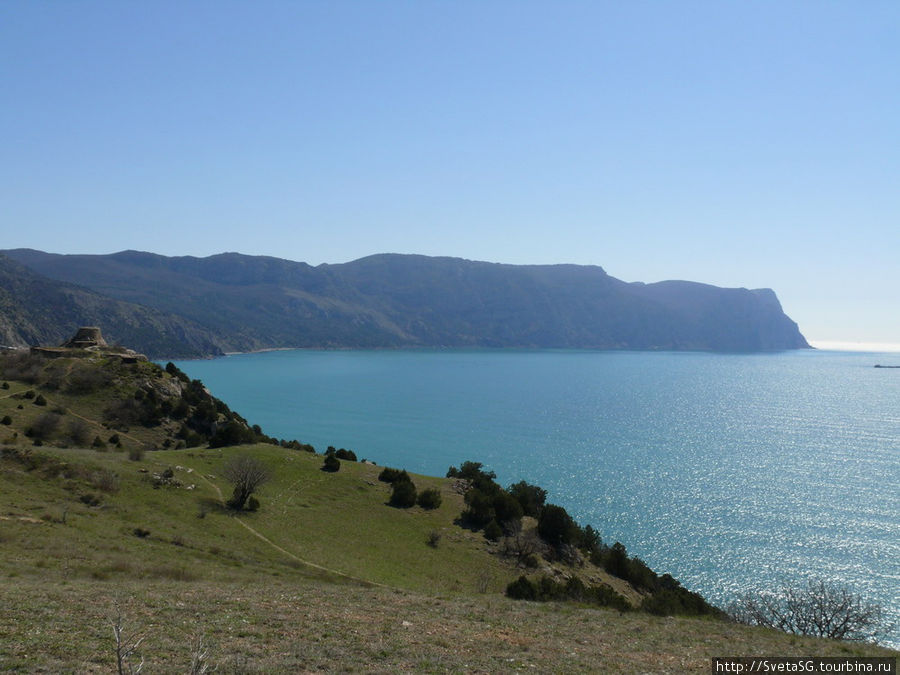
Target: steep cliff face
391 300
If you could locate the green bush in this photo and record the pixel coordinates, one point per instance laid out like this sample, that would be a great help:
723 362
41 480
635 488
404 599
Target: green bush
98 443
391 476
331 463
232 433
29 394
493 531
403 495
531 497
44 426
430 498
522 589
348 455
556 527
40 400
7 420
252 504
480 509
546 589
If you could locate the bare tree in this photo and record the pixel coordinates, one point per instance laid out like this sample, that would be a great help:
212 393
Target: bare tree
246 474
521 544
200 664
819 609
127 644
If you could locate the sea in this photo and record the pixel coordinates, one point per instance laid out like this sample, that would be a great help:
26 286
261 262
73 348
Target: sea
732 472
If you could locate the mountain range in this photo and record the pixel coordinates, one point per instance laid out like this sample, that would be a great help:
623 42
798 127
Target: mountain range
187 306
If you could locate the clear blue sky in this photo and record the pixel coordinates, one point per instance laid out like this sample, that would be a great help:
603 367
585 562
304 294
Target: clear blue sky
750 144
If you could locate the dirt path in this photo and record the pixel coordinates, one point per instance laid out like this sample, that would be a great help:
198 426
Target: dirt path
307 563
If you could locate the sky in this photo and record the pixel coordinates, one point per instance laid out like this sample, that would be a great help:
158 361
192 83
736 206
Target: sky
742 144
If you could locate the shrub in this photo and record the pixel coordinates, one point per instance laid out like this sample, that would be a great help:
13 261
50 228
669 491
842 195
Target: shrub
44 426
253 504
480 508
615 560
90 499
507 508
40 400
493 531
434 538
349 455
29 394
331 463
429 499
546 589
98 443
521 589
7 420
530 497
136 454
819 608
232 433
5 385
78 432
104 479
403 495
393 475
141 533
556 526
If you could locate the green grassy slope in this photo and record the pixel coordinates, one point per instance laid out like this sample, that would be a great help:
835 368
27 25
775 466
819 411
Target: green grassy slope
324 576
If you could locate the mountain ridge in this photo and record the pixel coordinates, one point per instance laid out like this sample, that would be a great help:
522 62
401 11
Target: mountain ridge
396 300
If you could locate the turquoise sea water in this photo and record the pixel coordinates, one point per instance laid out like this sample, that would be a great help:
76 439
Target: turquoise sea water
728 471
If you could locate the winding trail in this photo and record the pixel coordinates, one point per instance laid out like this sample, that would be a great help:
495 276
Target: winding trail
362 582
356 580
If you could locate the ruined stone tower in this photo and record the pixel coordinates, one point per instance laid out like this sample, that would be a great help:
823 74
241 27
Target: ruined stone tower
86 337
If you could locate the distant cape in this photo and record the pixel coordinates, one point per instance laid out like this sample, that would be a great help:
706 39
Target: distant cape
235 302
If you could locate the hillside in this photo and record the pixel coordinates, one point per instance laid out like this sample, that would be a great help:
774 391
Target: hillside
325 575
35 310
251 302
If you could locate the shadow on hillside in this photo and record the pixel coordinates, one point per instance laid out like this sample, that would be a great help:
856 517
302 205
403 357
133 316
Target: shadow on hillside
207 505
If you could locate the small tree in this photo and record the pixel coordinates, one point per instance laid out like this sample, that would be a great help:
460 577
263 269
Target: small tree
246 474
331 463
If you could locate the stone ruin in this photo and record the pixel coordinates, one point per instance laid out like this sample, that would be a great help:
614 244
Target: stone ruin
85 338
89 338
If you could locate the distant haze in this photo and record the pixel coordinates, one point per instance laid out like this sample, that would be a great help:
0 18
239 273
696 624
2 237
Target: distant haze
752 145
